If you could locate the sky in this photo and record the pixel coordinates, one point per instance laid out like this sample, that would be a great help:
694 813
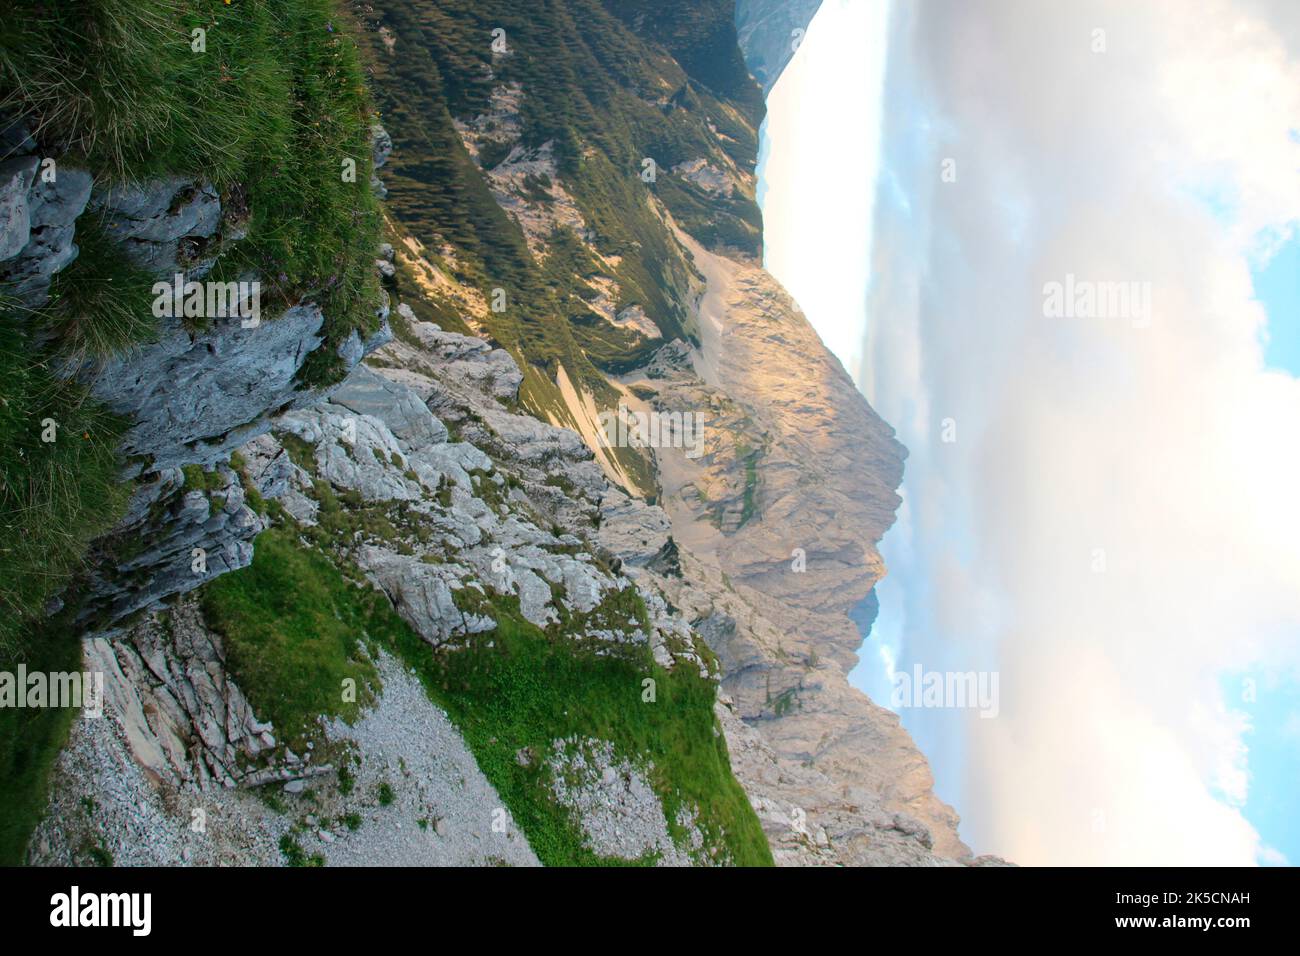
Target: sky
1100 508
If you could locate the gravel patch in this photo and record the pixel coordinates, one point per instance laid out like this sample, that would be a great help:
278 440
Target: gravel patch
442 811
105 807
611 801
417 799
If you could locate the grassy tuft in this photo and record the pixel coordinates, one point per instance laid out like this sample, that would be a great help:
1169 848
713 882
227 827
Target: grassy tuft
270 111
31 738
55 496
293 637
100 304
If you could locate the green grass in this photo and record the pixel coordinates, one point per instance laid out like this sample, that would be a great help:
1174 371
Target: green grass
55 497
268 112
293 635
196 479
99 854
526 690
347 781
295 855
529 689
100 304
139 85
30 740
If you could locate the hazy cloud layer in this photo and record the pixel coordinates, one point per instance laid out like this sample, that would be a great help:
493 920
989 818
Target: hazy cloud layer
1117 525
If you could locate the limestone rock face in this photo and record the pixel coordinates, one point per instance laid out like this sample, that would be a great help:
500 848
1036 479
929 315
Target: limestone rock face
37 216
185 721
468 385
368 393
638 533
514 504
475 363
807 822
192 394
164 224
423 594
775 526
172 540
794 457
15 212
193 398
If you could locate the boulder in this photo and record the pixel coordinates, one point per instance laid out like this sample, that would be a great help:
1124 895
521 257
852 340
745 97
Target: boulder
165 224
397 406
15 215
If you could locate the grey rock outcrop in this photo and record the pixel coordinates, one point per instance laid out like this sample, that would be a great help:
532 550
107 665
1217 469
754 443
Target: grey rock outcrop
192 398
163 225
424 595
468 384
15 213
185 720
172 540
37 216
635 531
368 393
192 401
274 474
513 506
192 394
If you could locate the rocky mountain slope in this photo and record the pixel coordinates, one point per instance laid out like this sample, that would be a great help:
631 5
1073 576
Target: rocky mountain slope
376 589
139 141
473 552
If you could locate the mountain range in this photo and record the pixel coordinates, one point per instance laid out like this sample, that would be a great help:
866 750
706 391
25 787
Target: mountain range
367 582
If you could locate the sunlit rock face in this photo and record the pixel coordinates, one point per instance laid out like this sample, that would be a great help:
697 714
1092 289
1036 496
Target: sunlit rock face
769 31
776 523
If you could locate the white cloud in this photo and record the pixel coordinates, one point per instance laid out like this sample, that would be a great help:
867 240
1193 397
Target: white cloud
1168 447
